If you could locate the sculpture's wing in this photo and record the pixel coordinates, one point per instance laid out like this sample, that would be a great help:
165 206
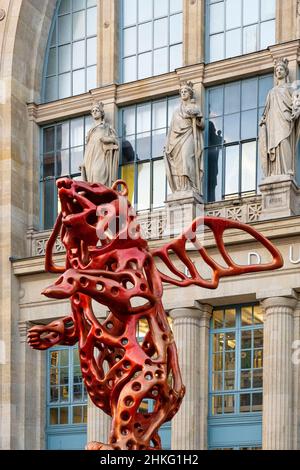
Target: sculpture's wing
228 268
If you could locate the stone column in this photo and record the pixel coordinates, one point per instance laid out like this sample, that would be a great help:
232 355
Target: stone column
277 378
108 42
191 328
193 31
296 378
98 422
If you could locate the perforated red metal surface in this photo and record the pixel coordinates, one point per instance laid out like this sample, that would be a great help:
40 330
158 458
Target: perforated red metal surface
119 369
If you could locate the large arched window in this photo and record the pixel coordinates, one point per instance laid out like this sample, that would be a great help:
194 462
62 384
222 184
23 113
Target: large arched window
70 64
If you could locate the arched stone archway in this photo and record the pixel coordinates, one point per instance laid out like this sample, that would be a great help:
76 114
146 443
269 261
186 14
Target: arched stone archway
23 41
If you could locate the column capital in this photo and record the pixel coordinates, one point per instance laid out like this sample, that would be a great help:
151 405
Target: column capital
197 312
289 303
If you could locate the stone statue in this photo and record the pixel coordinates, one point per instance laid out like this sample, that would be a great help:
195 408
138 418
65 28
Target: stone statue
279 126
184 146
101 158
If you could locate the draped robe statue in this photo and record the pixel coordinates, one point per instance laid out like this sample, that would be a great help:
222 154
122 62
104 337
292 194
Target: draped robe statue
279 126
101 158
184 146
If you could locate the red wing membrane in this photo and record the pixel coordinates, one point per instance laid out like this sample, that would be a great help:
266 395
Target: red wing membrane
218 226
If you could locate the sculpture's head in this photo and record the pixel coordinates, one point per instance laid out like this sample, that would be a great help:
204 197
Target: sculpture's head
97 111
186 91
281 69
95 219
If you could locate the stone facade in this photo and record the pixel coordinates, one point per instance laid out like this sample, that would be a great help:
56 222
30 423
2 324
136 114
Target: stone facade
24 31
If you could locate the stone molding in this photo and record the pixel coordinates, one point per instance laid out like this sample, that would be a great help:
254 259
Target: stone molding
188 315
279 305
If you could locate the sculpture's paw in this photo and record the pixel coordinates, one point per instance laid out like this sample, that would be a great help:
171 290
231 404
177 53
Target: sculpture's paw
43 337
97 446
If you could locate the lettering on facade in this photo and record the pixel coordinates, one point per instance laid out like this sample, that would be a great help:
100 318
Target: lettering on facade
275 200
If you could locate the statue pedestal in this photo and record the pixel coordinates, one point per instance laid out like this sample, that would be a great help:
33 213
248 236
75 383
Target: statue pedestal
182 208
280 197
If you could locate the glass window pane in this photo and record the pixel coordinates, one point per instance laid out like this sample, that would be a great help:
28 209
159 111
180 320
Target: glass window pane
230 318
160 58
78 54
258 338
175 5
214 173
76 159
218 362
64 29
159 183
233 13
245 402
48 139
246 339
143 118
246 316
246 360
129 12
216 47
143 186
161 32
249 127
49 201
143 146
158 142
176 24
232 98
51 66
232 170
91 21
216 102
216 18
251 11
77 414
218 318
145 37
64 7
145 10
257 378
217 382
218 341
257 401
128 149
128 176
129 69
64 85
232 128
249 94
78 5
51 89
268 9
62 163
77 137
78 82
78 25
129 38
91 3
159 115
145 65
217 405
53 416
230 342
91 78
267 34
258 359
53 41
161 8
54 378
265 84
229 380
92 51
175 57
63 416
128 121
229 361
249 166
233 43
250 39
173 104
246 379
228 403
258 314
64 58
